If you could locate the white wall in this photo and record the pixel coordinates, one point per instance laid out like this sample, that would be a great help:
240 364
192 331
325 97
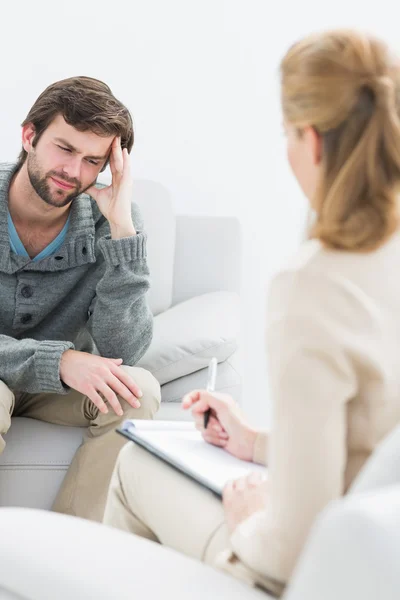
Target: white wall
201 78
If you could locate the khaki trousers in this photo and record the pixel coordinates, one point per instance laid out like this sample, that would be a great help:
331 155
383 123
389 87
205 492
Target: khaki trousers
83 492
153 500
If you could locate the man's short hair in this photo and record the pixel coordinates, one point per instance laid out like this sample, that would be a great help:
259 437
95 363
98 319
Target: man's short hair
85 103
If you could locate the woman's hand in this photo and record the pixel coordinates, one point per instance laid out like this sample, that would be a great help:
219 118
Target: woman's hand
227 427
243 497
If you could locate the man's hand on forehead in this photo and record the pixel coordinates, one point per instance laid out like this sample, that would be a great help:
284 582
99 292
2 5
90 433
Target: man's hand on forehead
115 201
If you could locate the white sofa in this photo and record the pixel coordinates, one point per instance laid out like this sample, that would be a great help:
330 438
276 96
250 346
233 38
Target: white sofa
352 553
195 265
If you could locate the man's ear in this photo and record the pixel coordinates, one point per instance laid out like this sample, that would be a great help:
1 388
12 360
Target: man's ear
314 144
28 135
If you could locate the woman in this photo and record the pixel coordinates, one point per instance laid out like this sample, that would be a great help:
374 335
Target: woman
333 333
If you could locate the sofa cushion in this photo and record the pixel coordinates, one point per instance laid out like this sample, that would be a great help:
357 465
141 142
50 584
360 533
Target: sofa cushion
228 381
35 460
188 335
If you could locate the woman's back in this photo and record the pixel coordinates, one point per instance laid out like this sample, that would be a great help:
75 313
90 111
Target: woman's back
333 344
356 299
333 333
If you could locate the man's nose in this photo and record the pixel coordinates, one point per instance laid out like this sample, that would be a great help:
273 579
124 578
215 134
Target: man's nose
72 168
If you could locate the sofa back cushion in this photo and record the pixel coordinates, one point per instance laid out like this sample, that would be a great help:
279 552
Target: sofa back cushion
155 206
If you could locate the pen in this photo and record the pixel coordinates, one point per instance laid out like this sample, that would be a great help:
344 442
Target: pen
211 377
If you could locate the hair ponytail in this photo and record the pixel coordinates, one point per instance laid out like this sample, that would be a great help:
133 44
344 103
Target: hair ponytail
348 89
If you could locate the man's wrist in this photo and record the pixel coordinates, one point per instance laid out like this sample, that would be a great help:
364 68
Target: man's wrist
64 358
122 231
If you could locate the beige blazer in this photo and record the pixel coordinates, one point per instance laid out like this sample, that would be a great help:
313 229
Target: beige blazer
333 345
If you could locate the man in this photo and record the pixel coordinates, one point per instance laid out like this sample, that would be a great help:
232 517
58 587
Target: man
74 319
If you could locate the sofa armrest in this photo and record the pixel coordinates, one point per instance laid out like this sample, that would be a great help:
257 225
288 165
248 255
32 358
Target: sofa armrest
48 556
353 551
189 334
208 256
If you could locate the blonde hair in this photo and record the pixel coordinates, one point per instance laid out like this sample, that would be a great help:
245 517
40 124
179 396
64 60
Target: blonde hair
346 85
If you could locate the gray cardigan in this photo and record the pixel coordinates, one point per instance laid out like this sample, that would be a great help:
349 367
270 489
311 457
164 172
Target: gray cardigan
90 295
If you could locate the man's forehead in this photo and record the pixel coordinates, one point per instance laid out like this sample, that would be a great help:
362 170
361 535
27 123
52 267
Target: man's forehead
87 142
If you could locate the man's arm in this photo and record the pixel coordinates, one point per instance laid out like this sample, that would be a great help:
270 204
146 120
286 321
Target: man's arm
32 366
121 322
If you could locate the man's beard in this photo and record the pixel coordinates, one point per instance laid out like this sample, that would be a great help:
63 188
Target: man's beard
40 184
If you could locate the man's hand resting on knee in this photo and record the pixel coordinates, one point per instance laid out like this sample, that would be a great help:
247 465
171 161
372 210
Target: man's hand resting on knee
94 375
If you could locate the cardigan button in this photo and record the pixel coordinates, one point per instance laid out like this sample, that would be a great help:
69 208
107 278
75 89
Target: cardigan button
27 291
26 319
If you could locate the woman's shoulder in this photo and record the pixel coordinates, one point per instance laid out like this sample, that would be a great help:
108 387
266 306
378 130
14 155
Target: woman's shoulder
311 262
308 255
314 278
318 278
314 258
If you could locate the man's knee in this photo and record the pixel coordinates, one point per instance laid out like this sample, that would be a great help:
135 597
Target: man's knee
149 403
150 388
6 407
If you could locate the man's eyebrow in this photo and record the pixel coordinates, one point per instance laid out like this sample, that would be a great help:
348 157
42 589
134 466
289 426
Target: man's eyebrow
73 149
